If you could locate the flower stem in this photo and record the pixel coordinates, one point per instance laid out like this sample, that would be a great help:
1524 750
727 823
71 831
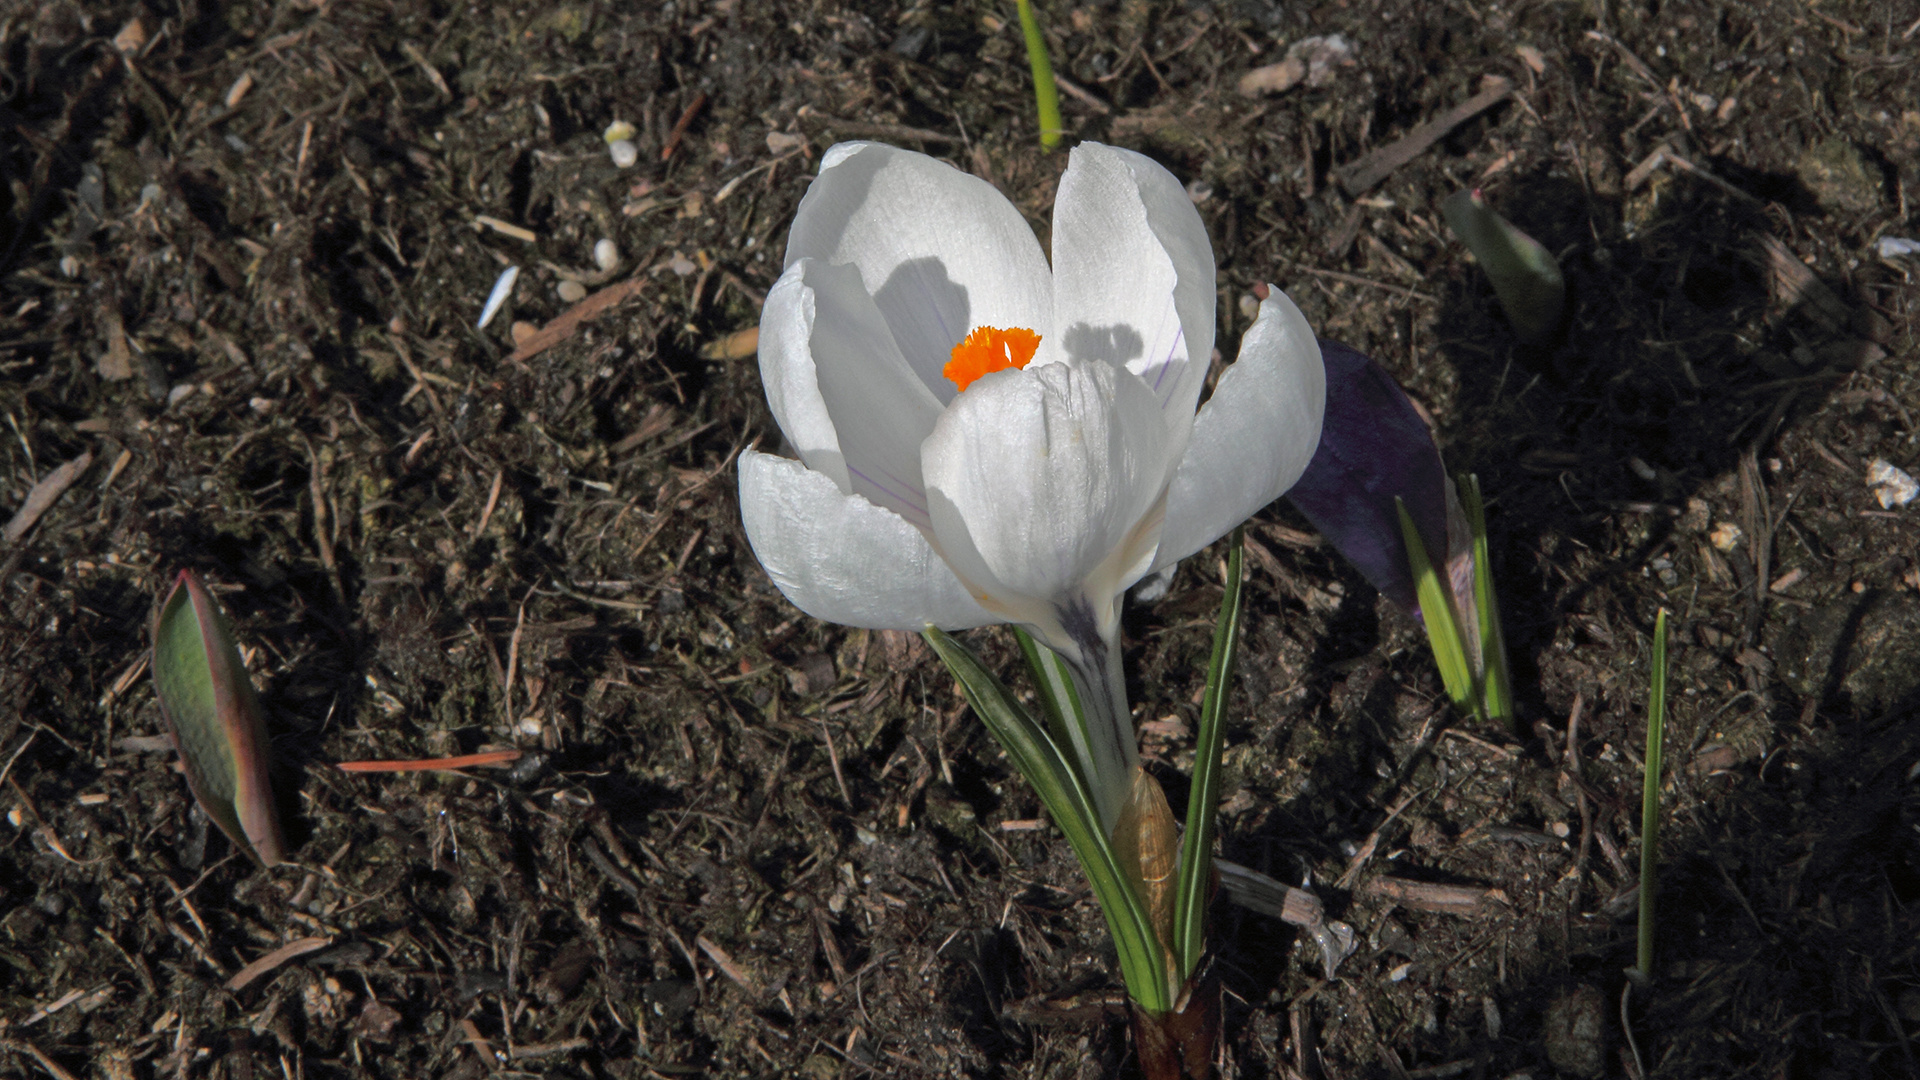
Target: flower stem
1105 743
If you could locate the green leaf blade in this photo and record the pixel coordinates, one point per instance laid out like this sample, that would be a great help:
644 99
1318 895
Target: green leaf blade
1525 276
1443 625
214 716
1045 95
1496 682
1194 887
1650 792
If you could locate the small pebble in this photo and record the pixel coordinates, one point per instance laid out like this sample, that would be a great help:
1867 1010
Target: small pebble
572 291
1891 485
624 153
521 331
1725 536
606 254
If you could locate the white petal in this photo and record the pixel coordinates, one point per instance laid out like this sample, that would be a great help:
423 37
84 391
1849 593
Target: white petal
1046 485
1133 274
842 559
1254 437
881 411
941 252
786 371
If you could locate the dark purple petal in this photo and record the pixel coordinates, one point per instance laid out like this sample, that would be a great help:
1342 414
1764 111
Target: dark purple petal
1374 445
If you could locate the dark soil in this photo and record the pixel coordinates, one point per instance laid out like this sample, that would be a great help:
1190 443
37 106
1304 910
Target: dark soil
743 843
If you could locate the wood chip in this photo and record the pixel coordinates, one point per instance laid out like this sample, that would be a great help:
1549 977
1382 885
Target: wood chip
1794 285
117 362
246 975
44 494
1359 176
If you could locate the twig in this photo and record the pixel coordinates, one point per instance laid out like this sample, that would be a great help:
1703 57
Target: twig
1360 175
569 321
442 764
680 128
44 494
833 756
1356 279
274 959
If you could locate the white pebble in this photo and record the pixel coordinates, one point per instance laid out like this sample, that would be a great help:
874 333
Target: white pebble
497 299
624 153
1890 246
1890 484
572 292
606 254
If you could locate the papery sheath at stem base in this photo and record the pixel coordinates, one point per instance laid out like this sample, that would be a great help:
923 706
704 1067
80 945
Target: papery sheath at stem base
1182 1042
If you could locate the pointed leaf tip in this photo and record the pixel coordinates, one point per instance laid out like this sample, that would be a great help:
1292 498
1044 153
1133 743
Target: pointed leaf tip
1525 275
211 711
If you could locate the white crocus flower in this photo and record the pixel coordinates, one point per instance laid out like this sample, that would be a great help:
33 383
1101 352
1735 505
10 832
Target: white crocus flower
1066 469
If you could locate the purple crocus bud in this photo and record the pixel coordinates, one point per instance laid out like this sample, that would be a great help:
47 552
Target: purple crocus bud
1374 445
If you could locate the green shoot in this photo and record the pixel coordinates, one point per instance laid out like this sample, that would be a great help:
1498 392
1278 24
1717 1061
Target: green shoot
1046 97
1496 684
1650 795
1525 276
1450 652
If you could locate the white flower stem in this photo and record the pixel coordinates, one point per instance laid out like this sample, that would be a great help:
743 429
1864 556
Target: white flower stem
1105 743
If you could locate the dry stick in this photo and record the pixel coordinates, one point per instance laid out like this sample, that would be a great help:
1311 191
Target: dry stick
442 764
274 959
833 756
680 128
1360 175
43 495
1580 793
53 1068
569 321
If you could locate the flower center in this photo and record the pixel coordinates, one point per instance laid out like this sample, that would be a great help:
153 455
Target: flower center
989 349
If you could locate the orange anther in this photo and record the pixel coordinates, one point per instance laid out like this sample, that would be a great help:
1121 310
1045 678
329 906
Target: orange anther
987 350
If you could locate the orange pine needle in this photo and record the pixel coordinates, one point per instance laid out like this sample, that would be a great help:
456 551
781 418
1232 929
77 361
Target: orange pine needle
439 764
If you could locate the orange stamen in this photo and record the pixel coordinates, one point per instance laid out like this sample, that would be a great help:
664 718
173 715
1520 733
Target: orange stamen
989 349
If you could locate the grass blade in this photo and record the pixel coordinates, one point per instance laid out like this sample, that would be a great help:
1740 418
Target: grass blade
1046 766
1496 683
1046 97
1194 889
1443 625
209 705
1650 792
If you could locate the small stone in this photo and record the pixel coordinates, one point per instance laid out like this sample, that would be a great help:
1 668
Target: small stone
606 254
572 291
624 153
1890 484
1725 536
521 331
